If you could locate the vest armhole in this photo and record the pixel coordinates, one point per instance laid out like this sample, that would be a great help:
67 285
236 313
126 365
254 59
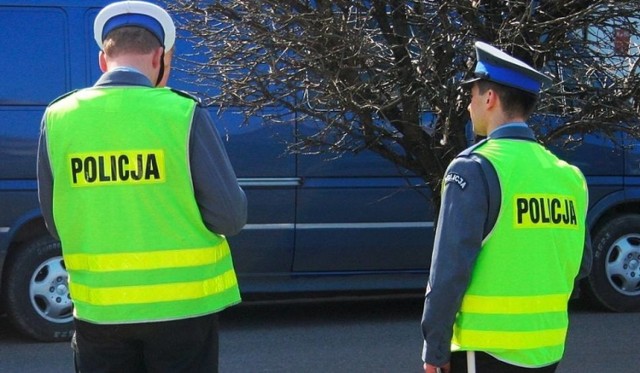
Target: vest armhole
468 151
187 95
494 197
62 96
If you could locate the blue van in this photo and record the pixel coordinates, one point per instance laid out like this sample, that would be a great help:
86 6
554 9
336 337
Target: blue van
353 224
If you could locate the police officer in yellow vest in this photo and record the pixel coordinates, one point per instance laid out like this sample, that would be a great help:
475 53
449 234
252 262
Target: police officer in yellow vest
135 182
511 236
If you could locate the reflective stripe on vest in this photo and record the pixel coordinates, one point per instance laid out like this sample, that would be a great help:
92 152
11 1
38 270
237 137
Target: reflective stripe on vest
539 234
133 238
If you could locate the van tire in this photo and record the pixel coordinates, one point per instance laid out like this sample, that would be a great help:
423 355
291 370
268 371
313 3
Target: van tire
614 279
35 291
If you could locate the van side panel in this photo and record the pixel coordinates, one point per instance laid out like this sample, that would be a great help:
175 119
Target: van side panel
361 213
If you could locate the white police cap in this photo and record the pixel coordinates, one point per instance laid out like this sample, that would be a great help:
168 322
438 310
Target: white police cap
135 13
496 66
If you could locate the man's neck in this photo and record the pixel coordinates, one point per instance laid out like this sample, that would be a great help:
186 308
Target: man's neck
138 63
501 120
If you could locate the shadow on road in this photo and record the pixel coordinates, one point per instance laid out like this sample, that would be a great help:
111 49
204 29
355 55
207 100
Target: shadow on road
336 309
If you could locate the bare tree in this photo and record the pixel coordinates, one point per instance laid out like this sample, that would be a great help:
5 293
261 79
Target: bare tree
384 75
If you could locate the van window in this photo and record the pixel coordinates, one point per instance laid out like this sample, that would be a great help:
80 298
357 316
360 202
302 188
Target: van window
34 54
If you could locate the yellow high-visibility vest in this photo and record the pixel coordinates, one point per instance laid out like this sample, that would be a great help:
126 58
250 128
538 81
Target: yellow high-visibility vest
515 307
133 239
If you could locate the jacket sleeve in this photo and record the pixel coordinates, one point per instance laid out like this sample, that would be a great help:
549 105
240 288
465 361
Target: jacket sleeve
222 203
459 234
45 183
587 259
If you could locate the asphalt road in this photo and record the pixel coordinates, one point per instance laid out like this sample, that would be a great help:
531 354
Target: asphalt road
346 335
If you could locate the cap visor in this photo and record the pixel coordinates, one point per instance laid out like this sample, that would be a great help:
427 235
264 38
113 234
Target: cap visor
466 82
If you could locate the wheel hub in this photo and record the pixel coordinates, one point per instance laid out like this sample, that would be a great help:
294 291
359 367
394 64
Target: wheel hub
62 290
49 291
623 265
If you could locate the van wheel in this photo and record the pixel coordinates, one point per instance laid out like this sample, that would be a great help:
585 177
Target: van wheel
36 291
614 281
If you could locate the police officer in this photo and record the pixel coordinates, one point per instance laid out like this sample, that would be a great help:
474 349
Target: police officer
511 236
135 182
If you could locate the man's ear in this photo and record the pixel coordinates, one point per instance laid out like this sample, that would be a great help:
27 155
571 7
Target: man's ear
102 61
492 98
168 55
157 57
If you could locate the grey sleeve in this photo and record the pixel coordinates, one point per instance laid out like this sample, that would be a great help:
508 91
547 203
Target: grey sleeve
222 203
587 257
587 254
45 183
459 234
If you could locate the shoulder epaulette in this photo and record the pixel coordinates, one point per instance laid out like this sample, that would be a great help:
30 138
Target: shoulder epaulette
63 96
187 95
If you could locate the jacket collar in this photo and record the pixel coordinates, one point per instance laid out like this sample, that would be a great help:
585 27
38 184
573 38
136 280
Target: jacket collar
123 78
513 131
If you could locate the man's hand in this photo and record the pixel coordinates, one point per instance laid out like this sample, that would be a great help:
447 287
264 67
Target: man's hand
428 368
